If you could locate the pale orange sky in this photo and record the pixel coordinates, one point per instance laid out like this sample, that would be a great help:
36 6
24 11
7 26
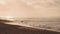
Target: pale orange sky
18 8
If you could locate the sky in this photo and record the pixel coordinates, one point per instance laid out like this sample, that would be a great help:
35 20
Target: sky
21 8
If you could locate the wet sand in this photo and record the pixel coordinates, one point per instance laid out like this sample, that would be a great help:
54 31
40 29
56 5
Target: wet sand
14 29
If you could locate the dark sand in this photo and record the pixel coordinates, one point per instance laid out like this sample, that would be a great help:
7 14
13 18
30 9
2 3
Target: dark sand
14 29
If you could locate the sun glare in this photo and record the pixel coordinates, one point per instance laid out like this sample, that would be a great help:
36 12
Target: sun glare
8 18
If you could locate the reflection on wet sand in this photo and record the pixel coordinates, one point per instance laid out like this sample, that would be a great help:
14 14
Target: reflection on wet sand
14 29
51 24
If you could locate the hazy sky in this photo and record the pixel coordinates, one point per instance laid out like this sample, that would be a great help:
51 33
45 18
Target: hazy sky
30 8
